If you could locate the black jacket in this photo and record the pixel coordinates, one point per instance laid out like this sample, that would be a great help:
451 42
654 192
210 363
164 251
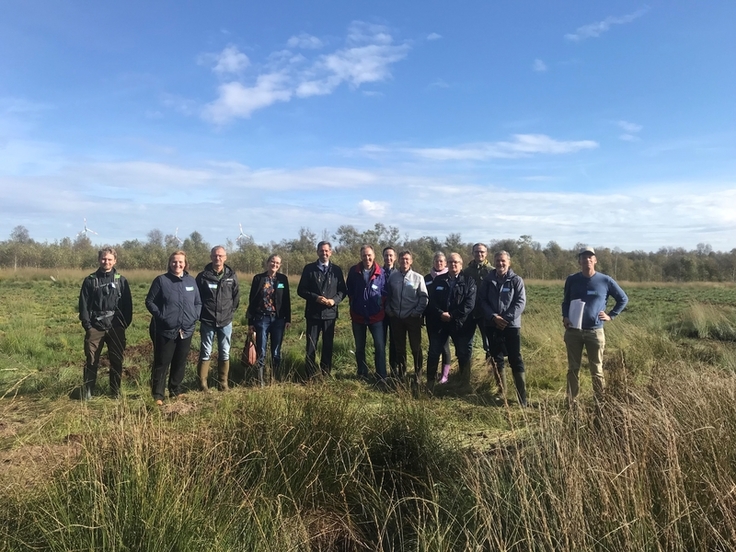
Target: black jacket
281 298
175 305
458 300
314 283
220 296
105 301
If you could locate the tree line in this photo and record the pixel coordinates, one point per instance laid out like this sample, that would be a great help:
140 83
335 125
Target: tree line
529 258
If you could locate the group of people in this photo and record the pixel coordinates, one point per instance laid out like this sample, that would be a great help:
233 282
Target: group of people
391 301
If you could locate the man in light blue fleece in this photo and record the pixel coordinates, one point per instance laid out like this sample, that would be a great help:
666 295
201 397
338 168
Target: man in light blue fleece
593 289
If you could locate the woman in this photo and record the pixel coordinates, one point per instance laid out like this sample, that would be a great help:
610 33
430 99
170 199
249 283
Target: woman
439 263
269 312
174 304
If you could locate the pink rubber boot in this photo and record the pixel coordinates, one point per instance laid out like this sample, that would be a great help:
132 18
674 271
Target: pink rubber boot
445 373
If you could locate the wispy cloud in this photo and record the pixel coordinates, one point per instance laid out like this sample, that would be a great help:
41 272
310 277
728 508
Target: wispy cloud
630 131
367 57
522 145
305 41
539 66
434 36
594 30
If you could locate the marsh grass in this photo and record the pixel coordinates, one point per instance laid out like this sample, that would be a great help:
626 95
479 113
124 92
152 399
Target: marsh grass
341 465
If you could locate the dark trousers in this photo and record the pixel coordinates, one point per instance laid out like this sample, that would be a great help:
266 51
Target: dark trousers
94 340
439 338
327 329
485 338
506 343
379 347
169 352
400 329
390 344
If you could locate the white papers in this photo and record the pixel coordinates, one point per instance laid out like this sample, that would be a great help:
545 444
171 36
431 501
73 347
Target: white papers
575 314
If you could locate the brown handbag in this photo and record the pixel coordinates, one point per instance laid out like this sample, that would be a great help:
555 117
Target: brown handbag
250 355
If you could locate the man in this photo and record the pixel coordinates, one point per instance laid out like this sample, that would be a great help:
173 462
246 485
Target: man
220 293
322 286
502 300
105 310
449 314
407 299
366 290
389 260
478 269
590 290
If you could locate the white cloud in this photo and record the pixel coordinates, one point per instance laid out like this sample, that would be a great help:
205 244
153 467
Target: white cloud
376 209
629 137
367 58
305 41
231 61
594 30
629 127
539 66
434 36
523 145
237 100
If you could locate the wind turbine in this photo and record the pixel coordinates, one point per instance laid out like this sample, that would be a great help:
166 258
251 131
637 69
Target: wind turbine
242 237
87 230
177 238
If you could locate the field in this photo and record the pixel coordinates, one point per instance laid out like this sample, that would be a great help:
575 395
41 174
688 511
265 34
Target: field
342 465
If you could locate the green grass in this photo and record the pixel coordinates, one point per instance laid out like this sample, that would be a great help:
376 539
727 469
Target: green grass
341 465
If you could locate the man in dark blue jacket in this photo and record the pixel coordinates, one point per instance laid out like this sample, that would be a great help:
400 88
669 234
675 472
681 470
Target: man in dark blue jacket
366 290
502 300
451 303
220 293
322 286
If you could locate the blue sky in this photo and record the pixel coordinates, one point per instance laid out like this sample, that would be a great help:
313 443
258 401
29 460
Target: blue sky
608 123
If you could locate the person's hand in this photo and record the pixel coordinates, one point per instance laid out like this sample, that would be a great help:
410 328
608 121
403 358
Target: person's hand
603 316
566 322
499 322
445 317
288 325
251 329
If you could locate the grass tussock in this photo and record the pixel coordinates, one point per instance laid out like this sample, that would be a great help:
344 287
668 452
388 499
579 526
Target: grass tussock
653 469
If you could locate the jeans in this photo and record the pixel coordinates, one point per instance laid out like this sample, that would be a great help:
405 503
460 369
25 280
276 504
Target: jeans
433 326
207 335
389 341
594 342
506 342
379 346
265 326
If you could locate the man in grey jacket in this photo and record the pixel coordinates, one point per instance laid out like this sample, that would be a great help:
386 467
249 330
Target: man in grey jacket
503 299
407 299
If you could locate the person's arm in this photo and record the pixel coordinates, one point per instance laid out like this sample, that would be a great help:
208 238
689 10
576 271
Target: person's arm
152 298
566 298
126 302
84 298
236 292
518 303
483 299
465 308
423 298
287 301
615 291
303 289
342 289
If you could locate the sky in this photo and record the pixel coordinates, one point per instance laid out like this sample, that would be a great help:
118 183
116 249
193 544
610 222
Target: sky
606 123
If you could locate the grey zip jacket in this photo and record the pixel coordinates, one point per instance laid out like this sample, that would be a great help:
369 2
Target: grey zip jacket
503 296
407 294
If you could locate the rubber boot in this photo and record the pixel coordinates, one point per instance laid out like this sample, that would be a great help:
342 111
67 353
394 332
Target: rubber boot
500 378
520 383
203 369
276 367
464 371
261 368
223 369
90 381
445 373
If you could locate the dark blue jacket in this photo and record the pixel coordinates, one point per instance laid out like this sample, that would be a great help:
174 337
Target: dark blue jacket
315 283
367 300
281 298
220 296
175 305
457 299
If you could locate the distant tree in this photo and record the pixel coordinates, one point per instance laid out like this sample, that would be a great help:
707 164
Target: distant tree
20 235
